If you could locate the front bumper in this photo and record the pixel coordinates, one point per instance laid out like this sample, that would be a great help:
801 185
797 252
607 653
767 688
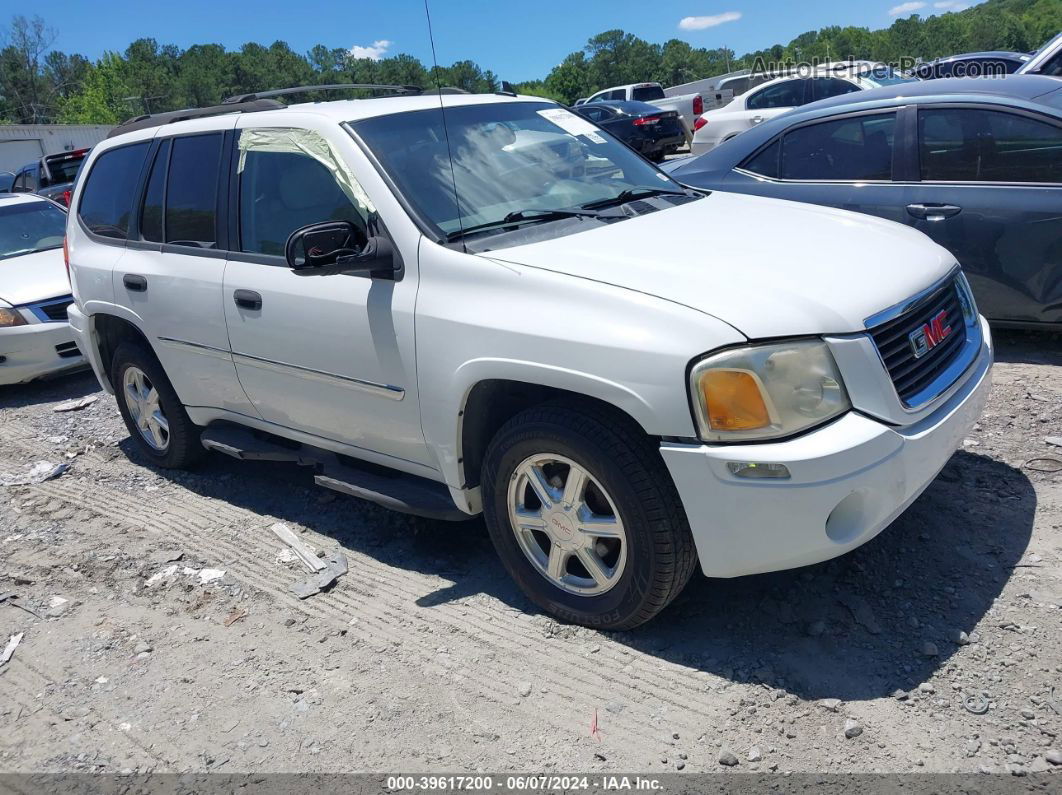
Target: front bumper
37 350
849 481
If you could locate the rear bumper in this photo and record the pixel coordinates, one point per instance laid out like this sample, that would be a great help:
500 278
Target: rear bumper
849 481
81 328
37 350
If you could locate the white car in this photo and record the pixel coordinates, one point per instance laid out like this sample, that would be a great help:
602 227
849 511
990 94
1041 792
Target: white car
782 94
1045 61
35 339
387 292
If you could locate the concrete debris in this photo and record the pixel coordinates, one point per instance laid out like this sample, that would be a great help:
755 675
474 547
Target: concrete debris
170 573
57 605
852 729
755 755
334 568
38 473
304 553
9 649
76 404
1054 441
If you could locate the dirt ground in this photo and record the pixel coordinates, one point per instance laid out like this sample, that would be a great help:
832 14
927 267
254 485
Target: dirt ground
425 658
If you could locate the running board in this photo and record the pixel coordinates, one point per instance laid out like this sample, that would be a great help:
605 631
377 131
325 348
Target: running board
402 492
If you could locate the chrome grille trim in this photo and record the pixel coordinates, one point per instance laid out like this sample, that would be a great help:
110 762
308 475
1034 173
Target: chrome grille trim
919 380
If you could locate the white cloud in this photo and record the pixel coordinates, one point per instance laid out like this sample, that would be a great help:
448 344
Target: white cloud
951 5
375 52
905 8
700 23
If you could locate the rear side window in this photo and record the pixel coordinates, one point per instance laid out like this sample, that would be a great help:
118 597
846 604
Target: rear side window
970 145
647 93
765 162
782 95
107 199
151 215
192 191
856 148
826 87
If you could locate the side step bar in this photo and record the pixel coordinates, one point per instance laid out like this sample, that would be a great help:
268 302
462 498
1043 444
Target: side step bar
404 493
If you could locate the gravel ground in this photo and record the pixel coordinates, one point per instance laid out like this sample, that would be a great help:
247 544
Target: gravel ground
160 634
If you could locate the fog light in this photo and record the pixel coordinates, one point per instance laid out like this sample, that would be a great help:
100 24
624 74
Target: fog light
751 469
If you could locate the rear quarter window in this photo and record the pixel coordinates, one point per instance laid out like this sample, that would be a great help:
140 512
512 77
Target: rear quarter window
107 200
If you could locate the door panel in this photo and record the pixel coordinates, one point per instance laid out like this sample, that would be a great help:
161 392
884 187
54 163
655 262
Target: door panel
174 284
1007 235
327 353
1008 239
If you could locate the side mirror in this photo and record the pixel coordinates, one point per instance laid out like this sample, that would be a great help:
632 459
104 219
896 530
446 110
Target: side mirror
337 247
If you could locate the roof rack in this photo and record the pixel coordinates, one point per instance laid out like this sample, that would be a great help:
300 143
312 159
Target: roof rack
262 100
169 117
280 92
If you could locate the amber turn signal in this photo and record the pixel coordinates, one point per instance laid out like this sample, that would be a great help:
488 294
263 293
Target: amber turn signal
734 401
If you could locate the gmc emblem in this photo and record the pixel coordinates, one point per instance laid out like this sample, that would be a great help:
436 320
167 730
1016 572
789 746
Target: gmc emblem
930 335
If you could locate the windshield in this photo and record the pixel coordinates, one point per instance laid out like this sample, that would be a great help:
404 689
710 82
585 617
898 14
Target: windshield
27 227
508 158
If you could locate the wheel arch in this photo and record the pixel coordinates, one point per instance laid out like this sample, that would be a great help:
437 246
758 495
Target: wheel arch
108 332
490 401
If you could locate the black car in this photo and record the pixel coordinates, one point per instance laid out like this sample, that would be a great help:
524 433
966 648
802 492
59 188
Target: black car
647 129
974 164
972 64
52 176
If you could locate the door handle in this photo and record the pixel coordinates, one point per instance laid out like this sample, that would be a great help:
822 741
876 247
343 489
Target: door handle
134 282
247 299
757 119
933 212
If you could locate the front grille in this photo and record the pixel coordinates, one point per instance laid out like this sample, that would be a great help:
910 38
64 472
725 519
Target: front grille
53 311
910 373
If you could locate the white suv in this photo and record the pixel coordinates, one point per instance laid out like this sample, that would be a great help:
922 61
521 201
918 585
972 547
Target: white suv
499 308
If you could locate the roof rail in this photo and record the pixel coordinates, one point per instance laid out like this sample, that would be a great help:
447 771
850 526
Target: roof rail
169 117
279 92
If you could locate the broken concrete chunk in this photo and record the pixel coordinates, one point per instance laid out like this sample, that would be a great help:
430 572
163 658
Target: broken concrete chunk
9 649
38 473
77 403
305 554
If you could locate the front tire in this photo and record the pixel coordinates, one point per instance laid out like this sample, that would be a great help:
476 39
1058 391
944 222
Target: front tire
157 422
585 516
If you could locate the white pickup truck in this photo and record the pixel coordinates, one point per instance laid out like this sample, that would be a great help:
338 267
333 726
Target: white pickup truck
481 304
689 106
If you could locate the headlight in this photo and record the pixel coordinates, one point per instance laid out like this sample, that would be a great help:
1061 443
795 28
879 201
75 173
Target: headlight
11 317
966 300
766 391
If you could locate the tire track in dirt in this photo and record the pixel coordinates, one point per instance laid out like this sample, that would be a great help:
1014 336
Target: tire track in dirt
633 677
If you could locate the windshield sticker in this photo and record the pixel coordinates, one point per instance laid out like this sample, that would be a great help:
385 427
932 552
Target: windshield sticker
572 124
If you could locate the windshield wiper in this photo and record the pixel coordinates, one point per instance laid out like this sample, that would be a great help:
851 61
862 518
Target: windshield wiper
630 195
519 217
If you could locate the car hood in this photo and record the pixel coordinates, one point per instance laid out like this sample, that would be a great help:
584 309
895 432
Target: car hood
767 267
33 277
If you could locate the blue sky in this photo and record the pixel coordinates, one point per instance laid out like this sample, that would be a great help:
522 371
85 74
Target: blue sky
519 40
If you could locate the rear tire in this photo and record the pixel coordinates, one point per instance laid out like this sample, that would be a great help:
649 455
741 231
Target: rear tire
545 525
157 422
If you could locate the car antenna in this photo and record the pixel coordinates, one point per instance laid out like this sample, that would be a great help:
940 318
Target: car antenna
446 133
506 89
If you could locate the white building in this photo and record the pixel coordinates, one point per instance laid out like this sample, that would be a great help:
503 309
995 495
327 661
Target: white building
23 143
